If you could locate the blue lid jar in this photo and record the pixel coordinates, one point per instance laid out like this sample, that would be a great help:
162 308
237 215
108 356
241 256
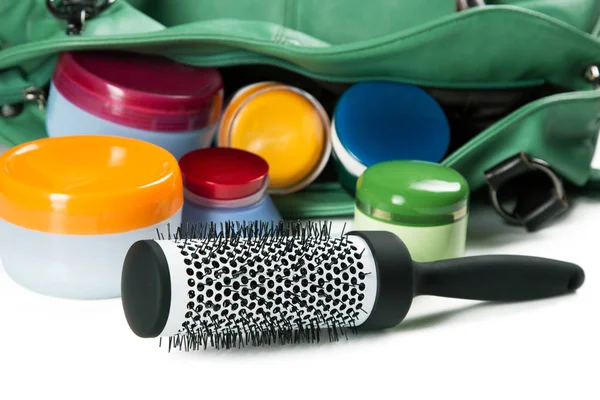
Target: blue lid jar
380 121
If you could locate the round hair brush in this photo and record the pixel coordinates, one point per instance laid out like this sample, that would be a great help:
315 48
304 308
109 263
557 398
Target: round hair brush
288 283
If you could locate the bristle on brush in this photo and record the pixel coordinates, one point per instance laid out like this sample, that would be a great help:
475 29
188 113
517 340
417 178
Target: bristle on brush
259 284
248 229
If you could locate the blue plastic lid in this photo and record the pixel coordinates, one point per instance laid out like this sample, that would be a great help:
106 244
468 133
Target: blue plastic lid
384 121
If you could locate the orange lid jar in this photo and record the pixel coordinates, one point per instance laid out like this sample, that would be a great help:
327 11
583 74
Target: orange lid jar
71 206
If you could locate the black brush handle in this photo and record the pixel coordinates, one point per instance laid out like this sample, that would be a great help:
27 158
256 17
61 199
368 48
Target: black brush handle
497 278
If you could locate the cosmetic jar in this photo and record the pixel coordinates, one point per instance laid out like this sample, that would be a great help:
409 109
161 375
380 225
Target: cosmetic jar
71 206
424 204
379 121
284 125
132 95
226 185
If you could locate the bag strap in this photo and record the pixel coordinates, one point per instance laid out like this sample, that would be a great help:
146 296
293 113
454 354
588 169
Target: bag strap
538 201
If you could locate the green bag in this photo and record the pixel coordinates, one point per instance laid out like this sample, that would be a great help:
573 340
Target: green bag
517 78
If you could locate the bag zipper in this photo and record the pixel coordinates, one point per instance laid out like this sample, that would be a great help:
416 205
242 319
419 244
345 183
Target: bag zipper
14 100
76 12
36 94
592 74
16 94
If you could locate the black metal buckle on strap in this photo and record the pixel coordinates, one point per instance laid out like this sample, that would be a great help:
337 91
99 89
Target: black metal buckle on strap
538 200
76 12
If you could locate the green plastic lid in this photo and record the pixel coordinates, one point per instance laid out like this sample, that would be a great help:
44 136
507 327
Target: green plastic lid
413 193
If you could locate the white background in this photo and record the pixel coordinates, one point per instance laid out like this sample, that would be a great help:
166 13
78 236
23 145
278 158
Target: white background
448 349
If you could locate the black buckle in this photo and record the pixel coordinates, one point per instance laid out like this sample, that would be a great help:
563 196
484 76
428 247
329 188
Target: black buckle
76 12
537 200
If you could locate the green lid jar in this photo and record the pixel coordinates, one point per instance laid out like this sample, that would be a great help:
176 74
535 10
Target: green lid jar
425 204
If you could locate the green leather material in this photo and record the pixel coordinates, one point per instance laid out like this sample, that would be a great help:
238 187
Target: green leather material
562 130
582 14
27 126
382 17
314 17
510 43
316 201
520 38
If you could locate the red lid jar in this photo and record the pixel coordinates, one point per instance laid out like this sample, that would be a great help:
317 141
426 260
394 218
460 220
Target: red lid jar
140 91
224 174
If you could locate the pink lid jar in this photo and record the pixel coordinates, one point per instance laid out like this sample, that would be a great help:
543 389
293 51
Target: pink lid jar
144 97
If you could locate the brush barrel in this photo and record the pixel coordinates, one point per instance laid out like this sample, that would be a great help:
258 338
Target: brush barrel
269 288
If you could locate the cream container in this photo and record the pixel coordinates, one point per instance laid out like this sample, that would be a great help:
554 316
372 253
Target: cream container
424 204
139 96
285 126
71 206
379 121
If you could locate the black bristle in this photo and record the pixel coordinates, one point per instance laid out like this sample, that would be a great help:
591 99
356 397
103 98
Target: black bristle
250 255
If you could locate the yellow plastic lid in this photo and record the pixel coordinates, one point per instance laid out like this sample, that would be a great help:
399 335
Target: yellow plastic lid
88 185
285 126
234 104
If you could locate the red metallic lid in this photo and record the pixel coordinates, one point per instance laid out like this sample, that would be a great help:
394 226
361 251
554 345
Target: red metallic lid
140 91
221 173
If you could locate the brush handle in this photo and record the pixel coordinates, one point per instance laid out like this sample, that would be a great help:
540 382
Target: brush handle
497 278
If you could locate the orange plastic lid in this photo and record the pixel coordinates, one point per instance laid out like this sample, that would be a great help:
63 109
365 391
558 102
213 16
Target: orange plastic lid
88 185
283 125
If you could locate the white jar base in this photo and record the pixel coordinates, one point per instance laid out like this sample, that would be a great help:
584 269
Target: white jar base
85 267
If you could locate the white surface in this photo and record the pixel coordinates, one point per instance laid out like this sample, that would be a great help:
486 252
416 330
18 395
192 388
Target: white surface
86 267
445 349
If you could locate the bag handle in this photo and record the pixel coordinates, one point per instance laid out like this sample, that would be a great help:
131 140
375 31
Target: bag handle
535 205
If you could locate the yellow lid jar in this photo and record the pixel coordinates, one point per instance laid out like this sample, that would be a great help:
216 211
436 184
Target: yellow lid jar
284 125
71 206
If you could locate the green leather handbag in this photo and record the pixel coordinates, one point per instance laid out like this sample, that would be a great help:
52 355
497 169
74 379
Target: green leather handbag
518 79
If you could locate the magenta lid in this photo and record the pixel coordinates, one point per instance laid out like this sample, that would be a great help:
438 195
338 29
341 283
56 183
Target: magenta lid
141 91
